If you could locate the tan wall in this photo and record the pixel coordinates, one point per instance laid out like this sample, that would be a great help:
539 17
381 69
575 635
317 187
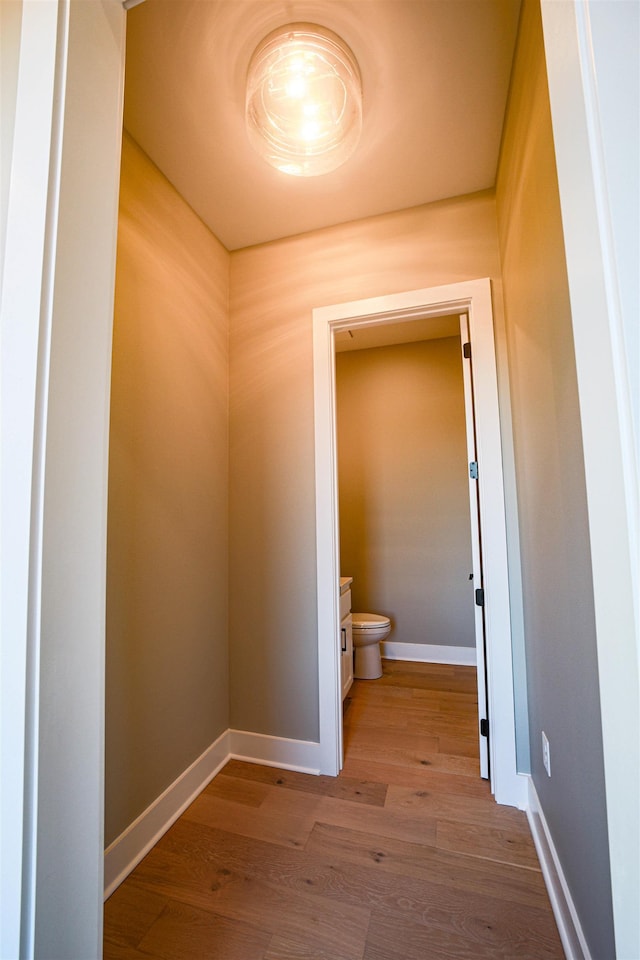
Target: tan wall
273 637
167 585
404 498
559 623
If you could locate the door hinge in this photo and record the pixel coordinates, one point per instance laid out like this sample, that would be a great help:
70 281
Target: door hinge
479 597
484 727
473 469
466 351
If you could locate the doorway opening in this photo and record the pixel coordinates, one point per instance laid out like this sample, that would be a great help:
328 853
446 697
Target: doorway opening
408 539
473 299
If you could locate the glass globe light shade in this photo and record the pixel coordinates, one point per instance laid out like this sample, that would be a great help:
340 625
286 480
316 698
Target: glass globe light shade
304 100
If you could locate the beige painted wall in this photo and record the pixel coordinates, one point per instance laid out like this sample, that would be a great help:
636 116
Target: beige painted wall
403 482
167 585
559 623
274 287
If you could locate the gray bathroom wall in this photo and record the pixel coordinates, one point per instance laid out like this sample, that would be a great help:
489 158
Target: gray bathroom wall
403 483
559 622
167 662
272 560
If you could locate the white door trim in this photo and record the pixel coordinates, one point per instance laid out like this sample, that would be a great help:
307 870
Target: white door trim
474 297
25 318
594 99
56 317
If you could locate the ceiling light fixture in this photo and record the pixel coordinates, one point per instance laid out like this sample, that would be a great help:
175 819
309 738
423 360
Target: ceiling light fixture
304 100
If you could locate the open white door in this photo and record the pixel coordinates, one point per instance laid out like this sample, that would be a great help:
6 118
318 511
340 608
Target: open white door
478 582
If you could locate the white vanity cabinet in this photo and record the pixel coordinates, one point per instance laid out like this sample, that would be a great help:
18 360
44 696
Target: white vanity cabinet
346 636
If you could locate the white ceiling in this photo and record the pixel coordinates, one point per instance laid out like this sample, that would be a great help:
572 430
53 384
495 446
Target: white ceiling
435 78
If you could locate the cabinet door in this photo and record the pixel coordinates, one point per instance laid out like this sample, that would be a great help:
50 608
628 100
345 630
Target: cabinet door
346 655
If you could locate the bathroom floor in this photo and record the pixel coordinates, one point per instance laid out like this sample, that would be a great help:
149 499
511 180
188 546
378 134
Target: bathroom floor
404 856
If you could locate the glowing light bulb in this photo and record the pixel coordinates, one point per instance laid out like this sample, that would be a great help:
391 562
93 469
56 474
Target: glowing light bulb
304 100
310 131
296 88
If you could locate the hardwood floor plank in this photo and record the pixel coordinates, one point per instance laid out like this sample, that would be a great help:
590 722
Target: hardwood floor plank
405 855
182 932
315 873
460 914
412 716
406 898
375 820
446 700
289 829
500 844
417 667
281 948
323 873
458 680
378 822
237 790
423 942
459 746
421 776
128 913
441 805
458 685
330 924
183 876
273 776
387 741
377 692
494 878
410 751
359 790
229 857
122 951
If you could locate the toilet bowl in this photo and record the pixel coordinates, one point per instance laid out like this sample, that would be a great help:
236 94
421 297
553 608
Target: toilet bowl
368 630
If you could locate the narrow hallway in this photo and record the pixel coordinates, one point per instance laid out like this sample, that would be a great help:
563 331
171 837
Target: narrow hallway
404 856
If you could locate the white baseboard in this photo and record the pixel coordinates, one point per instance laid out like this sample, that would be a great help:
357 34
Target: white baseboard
300 755
127 850
569 927
428 653
134 843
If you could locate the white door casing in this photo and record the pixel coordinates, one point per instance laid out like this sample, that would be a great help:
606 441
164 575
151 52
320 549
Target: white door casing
594 98
56 313
473 298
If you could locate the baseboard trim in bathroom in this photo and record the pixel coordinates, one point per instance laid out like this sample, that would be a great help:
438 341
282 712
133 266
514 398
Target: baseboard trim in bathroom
134 843
566 916
300 755
428 653
127 850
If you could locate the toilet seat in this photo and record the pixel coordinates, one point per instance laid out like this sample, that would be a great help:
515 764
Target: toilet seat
369 621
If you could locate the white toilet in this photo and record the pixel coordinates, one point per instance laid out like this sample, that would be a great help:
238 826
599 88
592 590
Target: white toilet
368 630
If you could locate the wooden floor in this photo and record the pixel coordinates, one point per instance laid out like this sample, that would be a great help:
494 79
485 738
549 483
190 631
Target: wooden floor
404 856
